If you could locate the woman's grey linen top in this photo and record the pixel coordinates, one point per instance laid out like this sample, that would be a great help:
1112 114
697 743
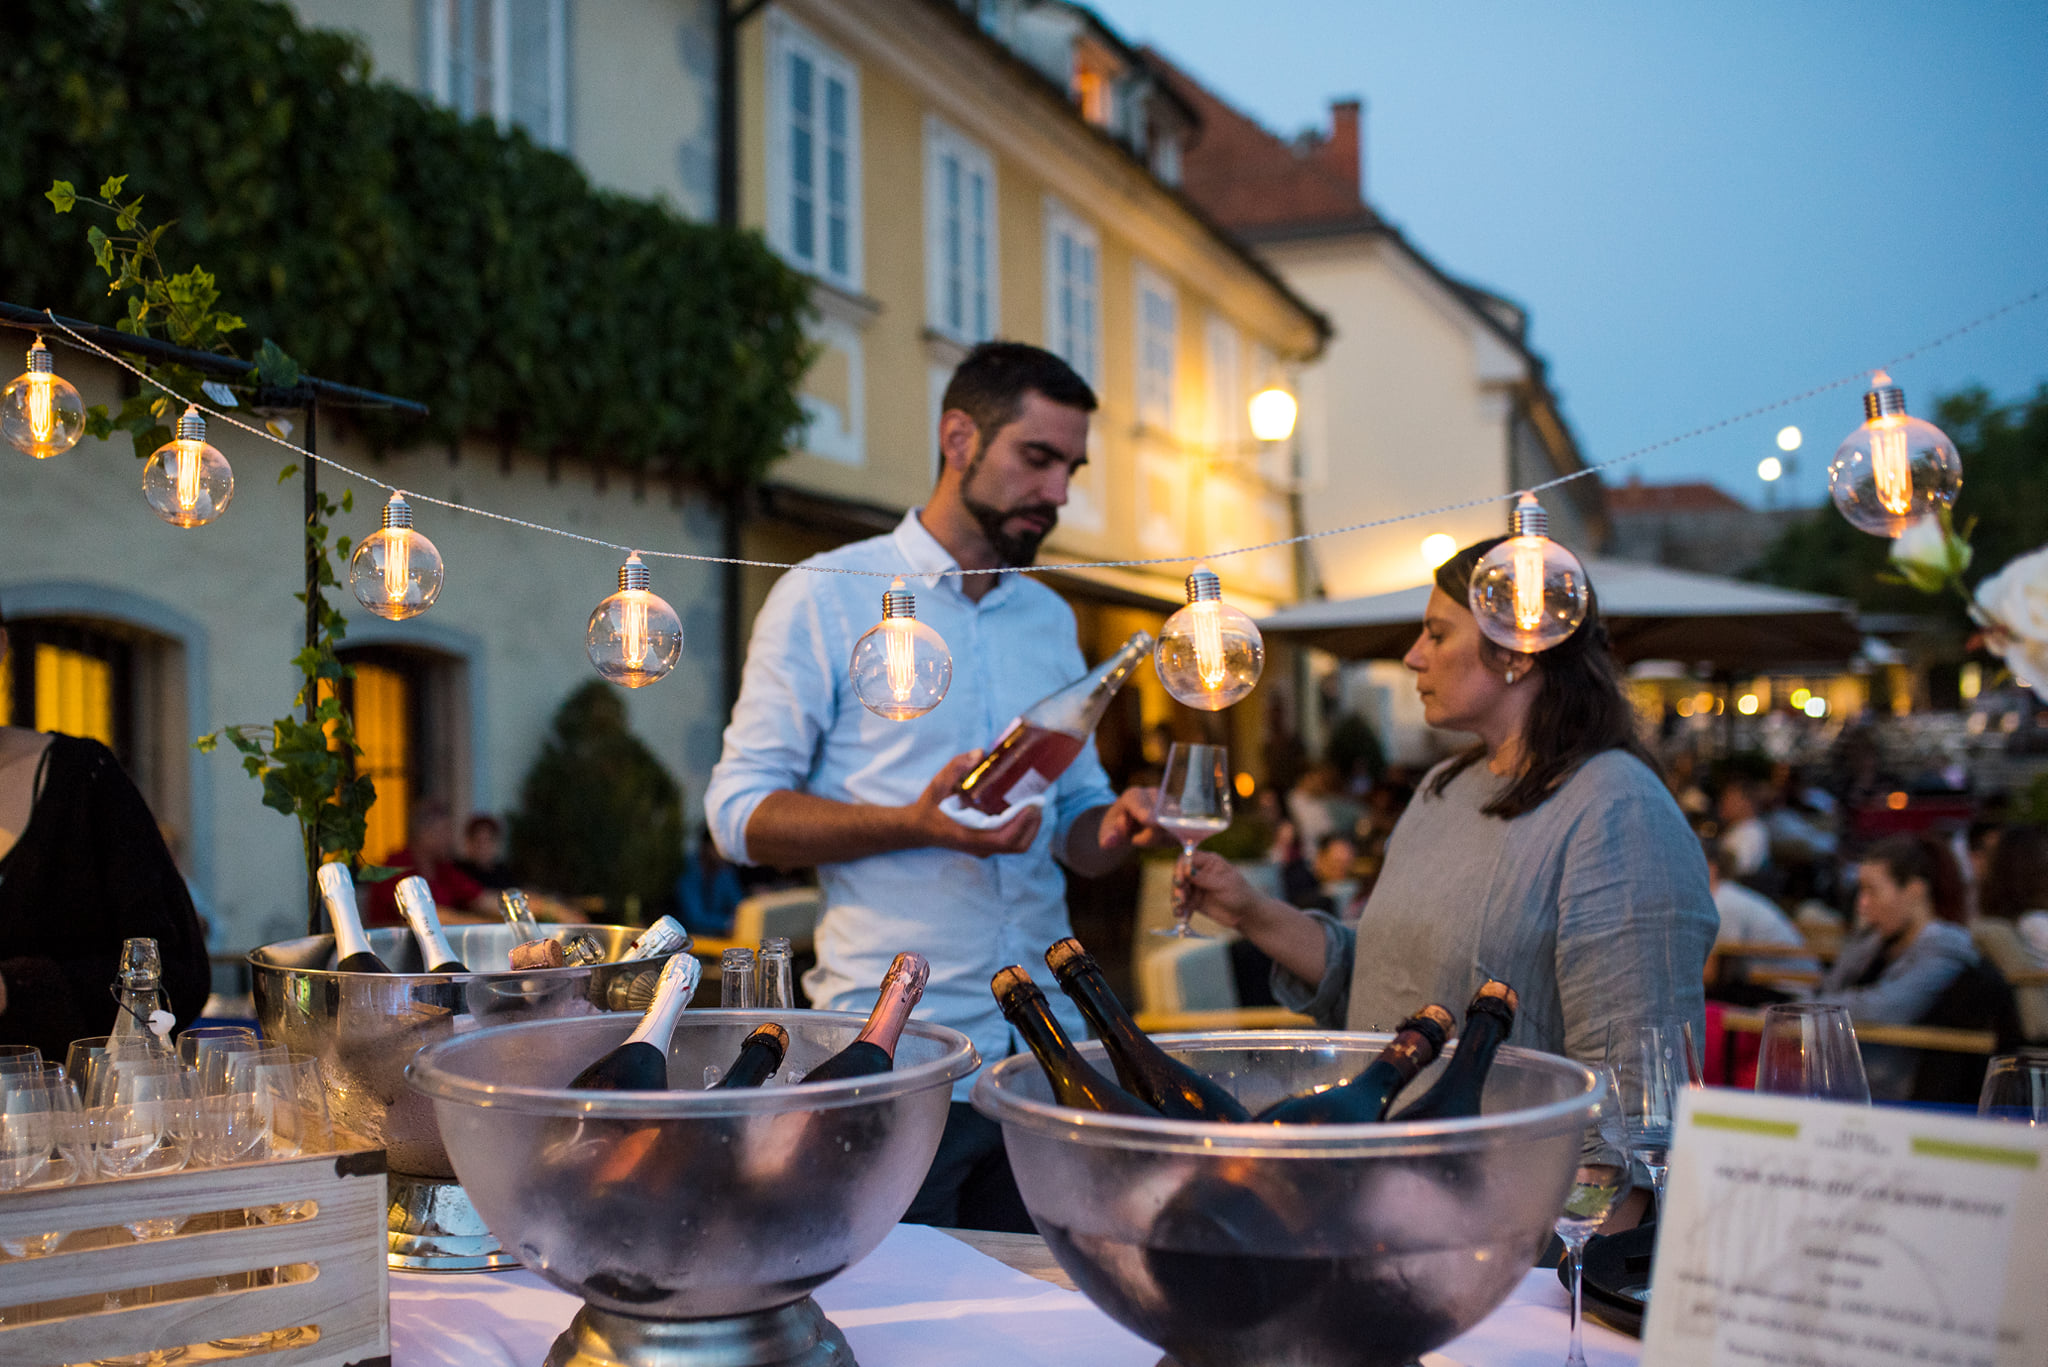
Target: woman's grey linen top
1593 906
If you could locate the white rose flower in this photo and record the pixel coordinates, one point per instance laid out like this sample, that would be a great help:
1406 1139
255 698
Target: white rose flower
1928 554
2016 599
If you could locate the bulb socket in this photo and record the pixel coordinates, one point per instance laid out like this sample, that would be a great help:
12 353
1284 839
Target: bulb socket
633 575
898 603
191 426
1203 585
1528 518
1883 401
397 513
40 362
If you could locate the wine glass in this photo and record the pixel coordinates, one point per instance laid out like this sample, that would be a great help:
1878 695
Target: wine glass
1194 804
1652 1060
1601 1178
145 1128
2016 1089
1809 1049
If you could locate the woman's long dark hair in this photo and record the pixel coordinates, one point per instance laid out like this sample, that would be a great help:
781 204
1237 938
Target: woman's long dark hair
1579 710
1927 857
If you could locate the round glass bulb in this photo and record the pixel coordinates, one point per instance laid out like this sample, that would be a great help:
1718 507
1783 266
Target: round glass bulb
1529 593
1892 471
395 573
1273 412
41 414
901 668
188 482
1209 655
635 637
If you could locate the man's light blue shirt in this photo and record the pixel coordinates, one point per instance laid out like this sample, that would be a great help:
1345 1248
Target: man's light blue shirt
799 726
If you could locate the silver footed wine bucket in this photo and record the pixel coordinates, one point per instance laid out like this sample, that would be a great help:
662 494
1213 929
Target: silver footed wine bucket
365 1027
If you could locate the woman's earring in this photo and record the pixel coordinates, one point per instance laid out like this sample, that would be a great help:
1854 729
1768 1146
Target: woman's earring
1508 676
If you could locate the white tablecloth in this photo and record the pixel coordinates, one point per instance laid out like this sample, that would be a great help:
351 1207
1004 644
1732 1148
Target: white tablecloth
924 1299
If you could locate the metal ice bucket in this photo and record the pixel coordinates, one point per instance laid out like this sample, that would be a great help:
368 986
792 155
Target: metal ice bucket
1308 1245
694 1224
365 1027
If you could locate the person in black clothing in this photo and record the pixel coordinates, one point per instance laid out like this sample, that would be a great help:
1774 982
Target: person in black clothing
82 868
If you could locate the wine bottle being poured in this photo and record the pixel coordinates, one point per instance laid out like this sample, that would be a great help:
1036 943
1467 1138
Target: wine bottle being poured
640 1064
1074 1080
874 1049
416 905
352 953
1457 1090
1145 1070
1038 746
1366 1097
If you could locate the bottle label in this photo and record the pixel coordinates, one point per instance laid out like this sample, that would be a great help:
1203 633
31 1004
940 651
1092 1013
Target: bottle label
1029 784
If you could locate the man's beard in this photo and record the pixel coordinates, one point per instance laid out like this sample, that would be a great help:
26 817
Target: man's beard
1013 549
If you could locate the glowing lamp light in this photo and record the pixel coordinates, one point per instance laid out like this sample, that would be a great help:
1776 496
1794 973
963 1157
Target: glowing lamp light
1894 469
187 481
1273 414
1209 653
1789 438
1816 707
1746 704
635 637
1529 593
1438 547
40 412
901 668
1770 469
395 572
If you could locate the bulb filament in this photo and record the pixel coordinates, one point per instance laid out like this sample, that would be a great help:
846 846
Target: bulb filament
189 466
1208 634
397 568
42 407
633 627
1892 467
1528 582
902 666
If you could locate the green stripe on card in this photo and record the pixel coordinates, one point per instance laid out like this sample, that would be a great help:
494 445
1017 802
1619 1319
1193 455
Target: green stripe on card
1775 1129
1977 1153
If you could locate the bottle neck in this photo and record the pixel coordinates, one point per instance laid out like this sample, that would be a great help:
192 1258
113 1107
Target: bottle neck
891 1013
1077 708
1090 991
349 937
1031 1014
1485 1027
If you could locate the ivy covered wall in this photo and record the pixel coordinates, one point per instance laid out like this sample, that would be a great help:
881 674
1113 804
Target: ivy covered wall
386 243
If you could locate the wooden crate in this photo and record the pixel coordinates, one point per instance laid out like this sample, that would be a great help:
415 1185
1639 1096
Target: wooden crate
54 1306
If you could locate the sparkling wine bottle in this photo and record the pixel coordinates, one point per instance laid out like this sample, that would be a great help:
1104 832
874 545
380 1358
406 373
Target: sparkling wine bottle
518 913
874 1049
665 936
641 1063
1146 1071
416 905
760 1055
1366 1097
1074 1081
1038 746
352 953
1457 1089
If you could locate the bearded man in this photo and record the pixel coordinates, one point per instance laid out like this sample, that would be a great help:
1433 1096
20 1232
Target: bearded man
810 777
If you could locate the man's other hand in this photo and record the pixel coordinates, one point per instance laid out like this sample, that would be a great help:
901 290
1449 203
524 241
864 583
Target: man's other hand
1012 837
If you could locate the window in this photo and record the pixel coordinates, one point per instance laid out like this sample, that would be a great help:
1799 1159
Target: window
1158 332
1073 298
72 677
411 723
959 236
813 156
1227 400
503 59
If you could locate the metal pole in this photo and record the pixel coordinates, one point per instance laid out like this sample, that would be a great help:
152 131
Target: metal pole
310 475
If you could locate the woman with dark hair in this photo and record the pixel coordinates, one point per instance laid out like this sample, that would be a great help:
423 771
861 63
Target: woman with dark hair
2016 886
82 868
1549 854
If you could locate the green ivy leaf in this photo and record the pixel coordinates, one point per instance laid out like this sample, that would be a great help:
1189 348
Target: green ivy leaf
61 196
288 472
111 187
273 365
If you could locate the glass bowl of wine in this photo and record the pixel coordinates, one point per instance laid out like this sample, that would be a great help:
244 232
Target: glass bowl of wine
1353 1245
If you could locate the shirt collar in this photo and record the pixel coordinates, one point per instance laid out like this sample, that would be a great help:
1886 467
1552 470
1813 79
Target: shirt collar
927 559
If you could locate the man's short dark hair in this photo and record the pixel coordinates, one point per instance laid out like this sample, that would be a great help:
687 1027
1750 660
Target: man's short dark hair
990 385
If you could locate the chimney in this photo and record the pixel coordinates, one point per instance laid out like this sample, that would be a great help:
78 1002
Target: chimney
1342 154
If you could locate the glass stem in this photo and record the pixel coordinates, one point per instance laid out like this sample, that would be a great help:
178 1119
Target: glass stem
1575 1249
1182 912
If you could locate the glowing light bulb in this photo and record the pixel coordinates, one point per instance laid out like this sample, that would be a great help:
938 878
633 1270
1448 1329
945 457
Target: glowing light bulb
1894 469
40 412
1529 593
1273 411
1789 438
395 572
901 668
635 637
1438 547
188 481
1770 469
1209 653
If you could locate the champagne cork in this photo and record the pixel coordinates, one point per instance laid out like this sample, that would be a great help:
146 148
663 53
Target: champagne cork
539 954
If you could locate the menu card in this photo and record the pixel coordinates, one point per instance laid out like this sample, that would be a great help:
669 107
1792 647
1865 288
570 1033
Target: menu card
1803 1233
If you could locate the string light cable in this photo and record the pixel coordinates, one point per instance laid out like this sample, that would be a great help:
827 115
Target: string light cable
1857 377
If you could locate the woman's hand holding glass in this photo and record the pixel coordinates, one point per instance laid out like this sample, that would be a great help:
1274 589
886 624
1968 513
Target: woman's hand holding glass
1194 804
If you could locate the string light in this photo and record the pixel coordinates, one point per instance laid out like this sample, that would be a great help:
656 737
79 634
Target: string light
187 480
1528 593
1894 469
1209 653
395 572
1273 411
901 668
40 411
635 637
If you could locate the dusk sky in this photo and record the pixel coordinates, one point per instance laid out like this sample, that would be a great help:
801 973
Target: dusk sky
1705 208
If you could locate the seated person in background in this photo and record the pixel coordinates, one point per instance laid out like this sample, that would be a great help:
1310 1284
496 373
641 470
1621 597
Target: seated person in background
82 868
483 853
1747 916
1908 949
1745 840
2015 886
430 852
